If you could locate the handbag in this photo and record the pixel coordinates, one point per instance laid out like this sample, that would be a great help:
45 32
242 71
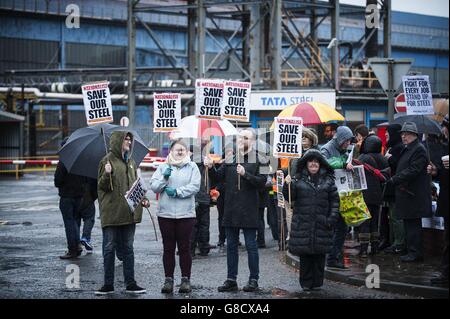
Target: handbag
352 208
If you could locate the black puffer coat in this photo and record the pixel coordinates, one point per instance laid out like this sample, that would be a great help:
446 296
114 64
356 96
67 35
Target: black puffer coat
316 208
371 154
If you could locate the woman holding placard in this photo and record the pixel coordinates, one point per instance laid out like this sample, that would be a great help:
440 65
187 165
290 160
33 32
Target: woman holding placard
315 213
177 181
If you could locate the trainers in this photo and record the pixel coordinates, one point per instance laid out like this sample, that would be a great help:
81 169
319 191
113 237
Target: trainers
251 286
185 286
69 255
168 286
87 244
394 250
135 289
336 266
105 290
410 258
228 286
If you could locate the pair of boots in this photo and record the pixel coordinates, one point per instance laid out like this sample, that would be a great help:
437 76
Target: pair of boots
185 286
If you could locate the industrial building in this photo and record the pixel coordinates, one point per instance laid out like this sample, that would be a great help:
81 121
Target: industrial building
291 51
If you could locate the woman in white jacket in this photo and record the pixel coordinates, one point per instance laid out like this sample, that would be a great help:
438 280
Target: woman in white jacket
177 181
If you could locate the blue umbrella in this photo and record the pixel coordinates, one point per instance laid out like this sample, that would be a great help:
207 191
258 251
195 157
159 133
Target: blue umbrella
86 147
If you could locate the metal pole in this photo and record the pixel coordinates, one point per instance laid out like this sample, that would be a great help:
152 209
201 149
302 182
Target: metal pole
131 27
191 38
201 21
335 48
255 46
276 45
391 90
387 48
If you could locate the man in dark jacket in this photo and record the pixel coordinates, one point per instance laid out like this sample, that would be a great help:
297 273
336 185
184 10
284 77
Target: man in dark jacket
412 191
117 172
440 172
200 233
316 211
70 190
373 196
396 227
243 181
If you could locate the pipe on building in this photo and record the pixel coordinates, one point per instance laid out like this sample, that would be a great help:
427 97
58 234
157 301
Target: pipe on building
79 97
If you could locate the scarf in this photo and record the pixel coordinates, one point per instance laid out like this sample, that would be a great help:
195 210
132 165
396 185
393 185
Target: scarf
177 163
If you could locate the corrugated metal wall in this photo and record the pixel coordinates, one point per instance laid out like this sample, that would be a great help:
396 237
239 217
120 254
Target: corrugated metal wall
10 142
92 55
28 54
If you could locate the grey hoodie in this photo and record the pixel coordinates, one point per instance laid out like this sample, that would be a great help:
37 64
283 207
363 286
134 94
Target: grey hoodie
332 148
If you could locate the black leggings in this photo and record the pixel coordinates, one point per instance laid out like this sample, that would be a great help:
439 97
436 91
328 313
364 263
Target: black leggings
176 233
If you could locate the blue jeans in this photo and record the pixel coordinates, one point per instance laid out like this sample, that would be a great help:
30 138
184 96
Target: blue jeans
232 235
71 217
340 232
88 216
118 238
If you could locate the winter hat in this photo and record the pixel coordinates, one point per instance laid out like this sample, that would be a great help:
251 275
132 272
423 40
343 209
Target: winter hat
343 133
394 134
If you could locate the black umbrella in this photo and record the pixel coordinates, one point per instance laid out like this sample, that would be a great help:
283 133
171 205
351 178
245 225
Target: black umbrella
86 147
424 124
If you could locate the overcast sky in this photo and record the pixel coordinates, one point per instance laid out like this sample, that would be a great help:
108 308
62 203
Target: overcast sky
427 7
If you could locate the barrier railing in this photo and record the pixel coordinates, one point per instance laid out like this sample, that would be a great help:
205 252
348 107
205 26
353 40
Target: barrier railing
49 165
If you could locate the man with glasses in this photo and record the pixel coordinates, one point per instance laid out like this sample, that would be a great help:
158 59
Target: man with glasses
117 173
243 182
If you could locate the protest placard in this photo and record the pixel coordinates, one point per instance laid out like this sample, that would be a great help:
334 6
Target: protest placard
288 137
418 95
280 181
354 180
166 112
136 194
236 101
208 98
97 103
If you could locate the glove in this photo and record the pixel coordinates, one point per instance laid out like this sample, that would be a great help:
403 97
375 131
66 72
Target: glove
167 172
171 192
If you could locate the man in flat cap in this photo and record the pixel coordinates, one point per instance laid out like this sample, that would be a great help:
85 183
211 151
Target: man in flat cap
412 191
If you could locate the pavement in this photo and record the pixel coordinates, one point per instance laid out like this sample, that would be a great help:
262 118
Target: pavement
32 238
404 278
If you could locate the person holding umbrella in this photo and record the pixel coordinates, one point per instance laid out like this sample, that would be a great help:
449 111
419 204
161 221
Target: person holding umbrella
70 190
412 191
177 181
116 174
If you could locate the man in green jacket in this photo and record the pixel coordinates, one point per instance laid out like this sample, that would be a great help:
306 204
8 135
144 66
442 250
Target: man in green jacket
116 174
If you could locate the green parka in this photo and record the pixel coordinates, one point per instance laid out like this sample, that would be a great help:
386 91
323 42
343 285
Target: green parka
114 210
